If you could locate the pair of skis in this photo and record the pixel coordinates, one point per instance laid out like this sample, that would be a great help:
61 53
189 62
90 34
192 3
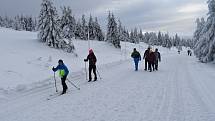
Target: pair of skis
52 96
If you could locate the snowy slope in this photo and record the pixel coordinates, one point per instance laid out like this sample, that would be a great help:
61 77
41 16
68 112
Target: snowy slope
24 60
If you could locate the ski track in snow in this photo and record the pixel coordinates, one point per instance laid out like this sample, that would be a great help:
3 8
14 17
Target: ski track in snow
182 90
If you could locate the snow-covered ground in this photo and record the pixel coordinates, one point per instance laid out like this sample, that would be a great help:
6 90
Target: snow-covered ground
182 89
24 60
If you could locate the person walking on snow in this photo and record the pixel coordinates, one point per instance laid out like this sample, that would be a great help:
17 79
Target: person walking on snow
151 60
137 57
145 56
92 64
63 73
157 58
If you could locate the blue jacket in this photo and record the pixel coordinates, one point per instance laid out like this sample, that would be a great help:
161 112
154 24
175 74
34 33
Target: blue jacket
62 67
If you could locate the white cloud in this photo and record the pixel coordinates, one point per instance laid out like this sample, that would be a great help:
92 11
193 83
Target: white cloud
192 8
117 6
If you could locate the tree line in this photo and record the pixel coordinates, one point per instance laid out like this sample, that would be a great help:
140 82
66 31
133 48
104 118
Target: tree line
19 22
53 28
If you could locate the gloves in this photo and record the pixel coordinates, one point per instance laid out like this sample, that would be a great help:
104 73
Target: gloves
85 60
53 68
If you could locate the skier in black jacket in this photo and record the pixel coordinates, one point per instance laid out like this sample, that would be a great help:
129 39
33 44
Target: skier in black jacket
92 64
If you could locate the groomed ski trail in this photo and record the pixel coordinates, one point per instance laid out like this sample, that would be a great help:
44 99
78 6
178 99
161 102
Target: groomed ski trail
182 90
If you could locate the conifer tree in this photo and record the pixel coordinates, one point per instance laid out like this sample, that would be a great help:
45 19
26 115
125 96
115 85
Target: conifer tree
49 25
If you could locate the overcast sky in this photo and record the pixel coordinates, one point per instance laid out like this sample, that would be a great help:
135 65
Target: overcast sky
173 16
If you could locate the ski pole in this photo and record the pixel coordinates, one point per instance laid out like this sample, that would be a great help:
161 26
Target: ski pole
73 84
86 69
55 83
99 74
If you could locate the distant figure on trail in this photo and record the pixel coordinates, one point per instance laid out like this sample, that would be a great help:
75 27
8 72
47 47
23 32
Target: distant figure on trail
157 58
151 60
63 72
92 64
189 52
137 57
146 57
178 51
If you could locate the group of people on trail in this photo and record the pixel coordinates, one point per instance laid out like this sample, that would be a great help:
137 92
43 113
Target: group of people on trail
63 70
151 59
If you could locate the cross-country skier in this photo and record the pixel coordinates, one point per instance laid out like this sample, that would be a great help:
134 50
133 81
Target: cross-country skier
137 57
157 58
92 64
63 72
145 56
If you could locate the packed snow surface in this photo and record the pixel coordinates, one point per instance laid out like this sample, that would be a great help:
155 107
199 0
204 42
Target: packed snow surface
181 90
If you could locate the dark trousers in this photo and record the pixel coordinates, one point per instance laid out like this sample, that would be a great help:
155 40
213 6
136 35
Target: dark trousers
146 64
63 81
151 66
156 65
92 67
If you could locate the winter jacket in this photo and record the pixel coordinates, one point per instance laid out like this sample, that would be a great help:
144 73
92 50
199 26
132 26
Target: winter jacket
136 55
92 59
63 70
151 57
146 54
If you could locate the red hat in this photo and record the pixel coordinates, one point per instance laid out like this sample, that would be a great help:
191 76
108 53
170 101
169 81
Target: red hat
90 50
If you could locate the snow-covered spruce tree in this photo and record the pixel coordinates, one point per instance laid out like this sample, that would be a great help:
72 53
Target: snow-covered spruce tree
98 31
160 39
126 34
84 29
120 31
108 35
123 33
131 37
112 31
135 37
68 27
16 24
34 24
140 35
167 41
1 22
146 37
199 28
153 39
91 28
68 23
49 25
78 30
176 40
8 22
205 47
